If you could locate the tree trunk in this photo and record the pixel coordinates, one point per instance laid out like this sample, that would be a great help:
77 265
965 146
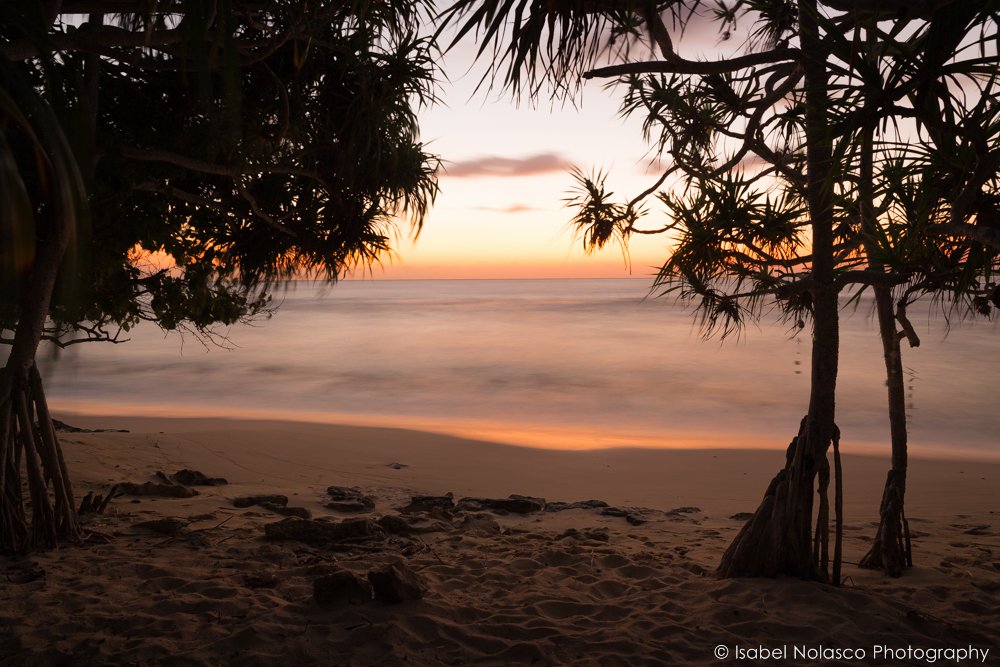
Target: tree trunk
778 539
30 455
891 549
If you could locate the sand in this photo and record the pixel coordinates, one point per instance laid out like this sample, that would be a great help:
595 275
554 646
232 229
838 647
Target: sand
573 587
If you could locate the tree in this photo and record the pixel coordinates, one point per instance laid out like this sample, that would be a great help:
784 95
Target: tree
764 194
248 142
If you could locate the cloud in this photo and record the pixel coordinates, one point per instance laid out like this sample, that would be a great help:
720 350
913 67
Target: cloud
505 167
513 208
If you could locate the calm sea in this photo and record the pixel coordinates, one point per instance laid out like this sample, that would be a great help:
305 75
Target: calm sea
557 363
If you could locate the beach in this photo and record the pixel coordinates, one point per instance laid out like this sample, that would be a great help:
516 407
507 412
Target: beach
627 580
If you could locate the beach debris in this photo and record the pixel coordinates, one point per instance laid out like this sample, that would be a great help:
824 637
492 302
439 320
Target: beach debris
263 499
166 526
96 503
578 505
396 466
396 583
318 532
742 516
196 478
514 503
341 586
156 489
349 499
257 580
433 504
66 428
594 534
481 525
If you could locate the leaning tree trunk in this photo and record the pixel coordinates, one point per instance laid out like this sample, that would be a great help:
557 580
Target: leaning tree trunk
36 498
891 549
779 539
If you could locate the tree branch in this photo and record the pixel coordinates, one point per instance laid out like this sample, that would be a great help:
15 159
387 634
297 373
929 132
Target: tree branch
681 66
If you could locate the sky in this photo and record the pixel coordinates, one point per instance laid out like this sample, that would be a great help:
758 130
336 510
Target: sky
500 212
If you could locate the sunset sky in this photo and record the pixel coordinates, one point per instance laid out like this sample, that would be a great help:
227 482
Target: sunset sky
506 173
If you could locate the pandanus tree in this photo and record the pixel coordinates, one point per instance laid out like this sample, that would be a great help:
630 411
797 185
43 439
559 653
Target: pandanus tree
770 189
171 162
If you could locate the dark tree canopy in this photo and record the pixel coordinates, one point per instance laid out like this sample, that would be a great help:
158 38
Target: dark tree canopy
236 142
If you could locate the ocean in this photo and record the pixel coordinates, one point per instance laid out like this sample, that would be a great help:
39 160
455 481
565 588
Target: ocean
576 364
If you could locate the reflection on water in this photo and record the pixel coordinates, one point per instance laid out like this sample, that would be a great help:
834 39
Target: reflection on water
579 363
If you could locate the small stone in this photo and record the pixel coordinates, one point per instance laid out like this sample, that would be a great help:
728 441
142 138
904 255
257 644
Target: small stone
481 525
435 504
396 583
742 516
346 499
319 533
393 524
196 478
250 501
300 512
396 466
342 586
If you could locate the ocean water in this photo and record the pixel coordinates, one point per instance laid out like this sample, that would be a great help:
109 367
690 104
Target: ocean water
552 363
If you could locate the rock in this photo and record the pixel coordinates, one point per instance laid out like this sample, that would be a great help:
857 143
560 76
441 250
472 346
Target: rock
628 515
514 504
320 533
155 489
196 478
595 534
260 580
393 524
345 499
742 516
300 512
578 505
250 501
341 586
396 583
481 525
435 504
677 511
978 530
165 526
396 466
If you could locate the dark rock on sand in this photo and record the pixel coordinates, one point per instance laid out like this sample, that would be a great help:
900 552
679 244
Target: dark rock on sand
196 478
300 512
594 534
396 583
321 533
629 515
250 501
481 525
742 516
155 489
165 526
578 505
433 504
396 466
394 524
349 499
514 504
341 586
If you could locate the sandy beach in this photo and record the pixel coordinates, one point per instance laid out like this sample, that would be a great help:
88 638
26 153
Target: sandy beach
629 583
